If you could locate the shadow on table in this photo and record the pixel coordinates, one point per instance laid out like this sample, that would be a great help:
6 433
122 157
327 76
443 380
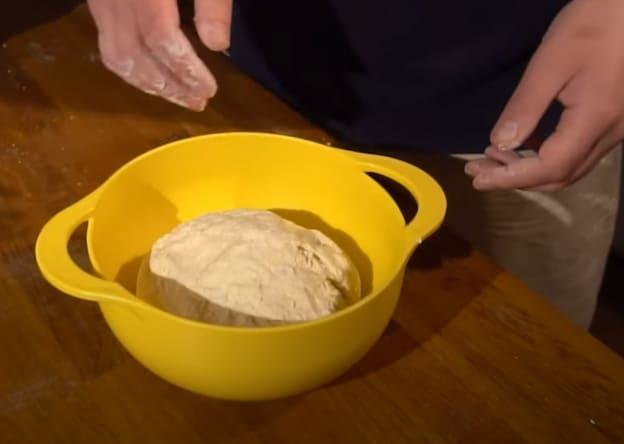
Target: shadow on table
430 300
419 315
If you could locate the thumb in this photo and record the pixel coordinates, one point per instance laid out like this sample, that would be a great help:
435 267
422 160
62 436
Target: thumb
547 73
213 19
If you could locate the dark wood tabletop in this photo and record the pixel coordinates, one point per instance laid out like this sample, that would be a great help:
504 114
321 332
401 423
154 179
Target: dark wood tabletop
470 356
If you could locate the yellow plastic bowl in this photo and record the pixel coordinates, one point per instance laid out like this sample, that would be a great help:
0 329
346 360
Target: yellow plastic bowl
311 184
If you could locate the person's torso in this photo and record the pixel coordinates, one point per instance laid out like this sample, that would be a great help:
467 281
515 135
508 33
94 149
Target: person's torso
420 74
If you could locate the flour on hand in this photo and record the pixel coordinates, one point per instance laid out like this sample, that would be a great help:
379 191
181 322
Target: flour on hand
248 268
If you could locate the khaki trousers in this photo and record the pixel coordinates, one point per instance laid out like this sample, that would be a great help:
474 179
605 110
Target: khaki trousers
557 243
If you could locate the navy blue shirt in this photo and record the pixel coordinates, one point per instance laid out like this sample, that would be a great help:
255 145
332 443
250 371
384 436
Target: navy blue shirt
429 75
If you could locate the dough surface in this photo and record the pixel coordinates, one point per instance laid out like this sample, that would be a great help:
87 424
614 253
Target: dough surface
248 268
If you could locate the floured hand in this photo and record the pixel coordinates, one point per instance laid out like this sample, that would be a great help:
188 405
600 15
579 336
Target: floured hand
141 41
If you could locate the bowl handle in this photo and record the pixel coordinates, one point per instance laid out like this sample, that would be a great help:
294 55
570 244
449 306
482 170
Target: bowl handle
58 267
427 192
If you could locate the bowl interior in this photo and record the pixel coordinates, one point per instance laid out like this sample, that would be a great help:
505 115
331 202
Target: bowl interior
308 183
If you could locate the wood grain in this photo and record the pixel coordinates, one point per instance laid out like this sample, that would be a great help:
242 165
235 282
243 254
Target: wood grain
471 355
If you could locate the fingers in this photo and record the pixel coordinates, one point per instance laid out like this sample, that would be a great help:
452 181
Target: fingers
176 53
148 75
213 20
559 159
159 27
140 41
124 54
476 167
504 157
543 79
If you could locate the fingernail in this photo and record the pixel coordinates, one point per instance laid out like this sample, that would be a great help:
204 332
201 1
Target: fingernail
192 103
213 91
153 86
177 101
469 169
506 136
508 146
200 106
214 35
507 132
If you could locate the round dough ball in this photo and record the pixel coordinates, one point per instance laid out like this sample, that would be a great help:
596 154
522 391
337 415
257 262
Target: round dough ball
248 268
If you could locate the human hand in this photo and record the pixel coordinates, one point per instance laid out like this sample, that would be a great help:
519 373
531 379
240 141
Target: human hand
141 41
581 63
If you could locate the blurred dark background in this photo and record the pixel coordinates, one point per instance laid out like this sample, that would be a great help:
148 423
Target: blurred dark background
608 324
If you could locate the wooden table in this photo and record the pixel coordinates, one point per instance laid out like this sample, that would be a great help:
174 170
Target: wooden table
471 355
